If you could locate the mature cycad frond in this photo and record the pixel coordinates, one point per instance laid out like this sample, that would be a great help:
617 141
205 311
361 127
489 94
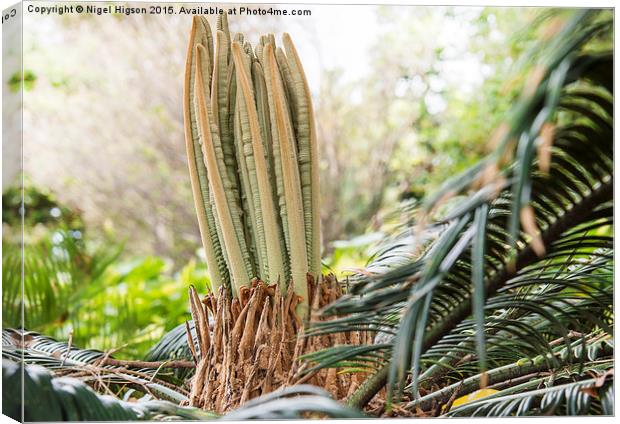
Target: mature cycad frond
86 364
295 402
584 357
173 345
526 258
565 399
51 398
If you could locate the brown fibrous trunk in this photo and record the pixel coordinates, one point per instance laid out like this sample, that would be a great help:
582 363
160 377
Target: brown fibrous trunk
251 345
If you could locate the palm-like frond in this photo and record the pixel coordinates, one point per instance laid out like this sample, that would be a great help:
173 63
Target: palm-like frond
525 258
294 402
34 349
58 272
48 398
595 358
174 346
574 398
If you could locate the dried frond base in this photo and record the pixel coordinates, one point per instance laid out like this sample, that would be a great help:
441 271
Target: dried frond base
254 343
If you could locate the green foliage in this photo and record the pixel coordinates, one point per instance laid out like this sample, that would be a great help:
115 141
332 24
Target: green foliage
349 256
28 80
75 287
57 273
421 111
460 89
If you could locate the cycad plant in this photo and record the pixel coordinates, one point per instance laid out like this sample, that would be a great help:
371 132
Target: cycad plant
510 303
252 153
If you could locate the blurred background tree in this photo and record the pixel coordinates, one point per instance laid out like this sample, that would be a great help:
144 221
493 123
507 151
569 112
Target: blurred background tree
423 111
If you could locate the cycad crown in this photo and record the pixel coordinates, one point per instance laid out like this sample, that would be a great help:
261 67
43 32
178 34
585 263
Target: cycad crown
252 153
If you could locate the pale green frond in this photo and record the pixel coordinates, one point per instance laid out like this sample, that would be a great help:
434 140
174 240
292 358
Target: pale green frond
197 169
287 156
226 206
267 220
308 156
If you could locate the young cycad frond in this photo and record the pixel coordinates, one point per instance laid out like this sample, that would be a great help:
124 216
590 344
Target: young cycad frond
291 205
262 191
197 169
221 106
226 208
308 155
252 155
